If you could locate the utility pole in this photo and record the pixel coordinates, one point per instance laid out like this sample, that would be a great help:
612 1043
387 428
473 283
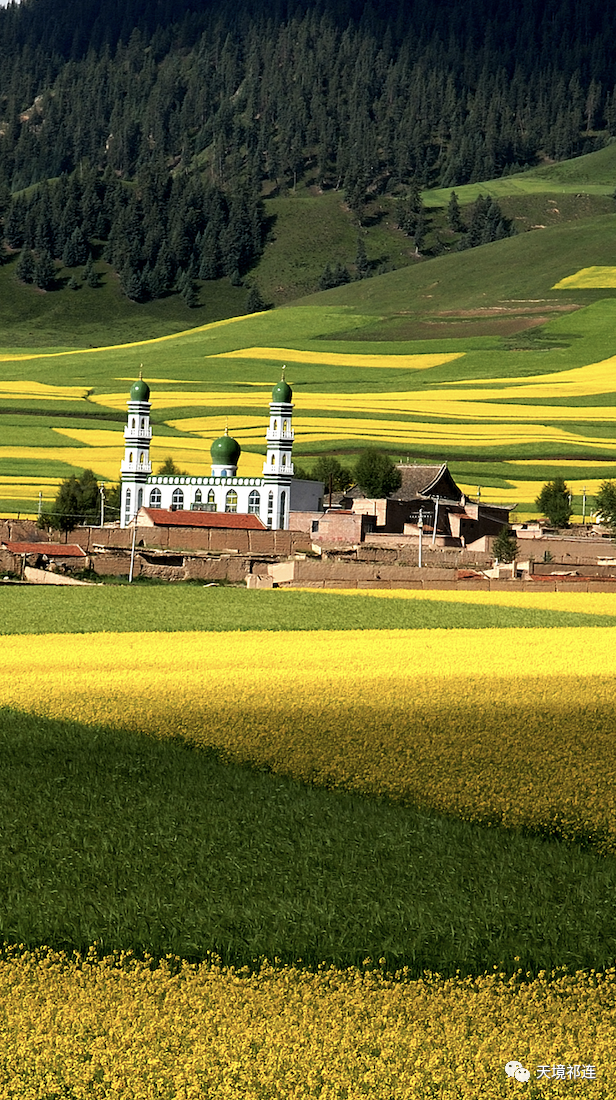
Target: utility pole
584 505
40 503
435 522
420 525
102 493
132 552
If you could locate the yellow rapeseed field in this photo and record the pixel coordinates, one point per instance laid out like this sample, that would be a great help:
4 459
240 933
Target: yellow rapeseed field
406 713
585 603
587 278
333 358
27 391
90 1030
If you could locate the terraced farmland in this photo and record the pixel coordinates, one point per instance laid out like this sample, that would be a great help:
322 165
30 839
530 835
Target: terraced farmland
502 419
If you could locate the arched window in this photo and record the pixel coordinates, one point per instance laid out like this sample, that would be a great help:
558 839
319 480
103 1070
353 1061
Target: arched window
198 497
127 506
254 503
284 427
231 501
141 458
211 499
132 424
283 508
155 498
142 423
177 501
130 457
139 499
284 460
270 508
273 460
275 425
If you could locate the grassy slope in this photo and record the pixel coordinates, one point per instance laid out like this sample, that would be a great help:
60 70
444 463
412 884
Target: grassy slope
515 270
90 318
307 230
593 174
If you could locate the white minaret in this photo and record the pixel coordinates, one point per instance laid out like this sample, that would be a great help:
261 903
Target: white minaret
278 467
136 466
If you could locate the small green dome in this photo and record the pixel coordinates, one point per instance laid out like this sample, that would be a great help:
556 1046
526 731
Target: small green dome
225 451
140 391
282 392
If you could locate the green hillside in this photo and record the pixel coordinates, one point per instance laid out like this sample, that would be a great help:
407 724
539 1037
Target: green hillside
594 173
487 314
309 229
513 279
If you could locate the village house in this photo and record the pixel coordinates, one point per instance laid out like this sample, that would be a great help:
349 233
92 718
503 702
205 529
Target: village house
428 499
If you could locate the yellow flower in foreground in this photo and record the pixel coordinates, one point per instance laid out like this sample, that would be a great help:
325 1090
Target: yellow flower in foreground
94 1029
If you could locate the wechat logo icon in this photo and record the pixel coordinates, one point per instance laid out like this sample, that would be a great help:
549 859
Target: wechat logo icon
517 1071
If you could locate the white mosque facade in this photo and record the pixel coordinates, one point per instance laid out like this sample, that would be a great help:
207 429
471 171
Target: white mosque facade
271 497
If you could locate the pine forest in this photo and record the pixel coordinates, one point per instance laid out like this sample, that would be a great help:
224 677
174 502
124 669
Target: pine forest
148 135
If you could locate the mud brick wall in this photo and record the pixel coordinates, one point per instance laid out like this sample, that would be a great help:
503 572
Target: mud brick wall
231 569
178 538
21 530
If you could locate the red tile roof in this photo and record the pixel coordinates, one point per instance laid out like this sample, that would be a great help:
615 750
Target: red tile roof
162 517
51 549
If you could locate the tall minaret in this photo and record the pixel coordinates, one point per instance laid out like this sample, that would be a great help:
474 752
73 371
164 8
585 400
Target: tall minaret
278 467
136 466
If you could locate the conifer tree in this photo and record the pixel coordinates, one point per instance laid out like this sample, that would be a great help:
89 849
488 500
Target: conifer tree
254 302
44 271
362 263
24 269
90 274
454 215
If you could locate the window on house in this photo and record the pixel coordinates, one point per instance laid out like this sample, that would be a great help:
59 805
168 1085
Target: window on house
231 501
177 501
211 499
254 503
198 497
155 498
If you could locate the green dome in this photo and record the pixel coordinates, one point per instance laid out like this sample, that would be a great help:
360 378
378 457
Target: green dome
225 451
282 392
140 391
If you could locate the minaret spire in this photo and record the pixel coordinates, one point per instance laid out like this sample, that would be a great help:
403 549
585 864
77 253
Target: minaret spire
136 466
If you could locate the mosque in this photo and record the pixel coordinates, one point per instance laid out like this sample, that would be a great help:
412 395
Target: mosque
271 497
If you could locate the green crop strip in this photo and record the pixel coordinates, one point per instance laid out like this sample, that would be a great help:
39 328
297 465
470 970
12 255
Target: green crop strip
182 608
